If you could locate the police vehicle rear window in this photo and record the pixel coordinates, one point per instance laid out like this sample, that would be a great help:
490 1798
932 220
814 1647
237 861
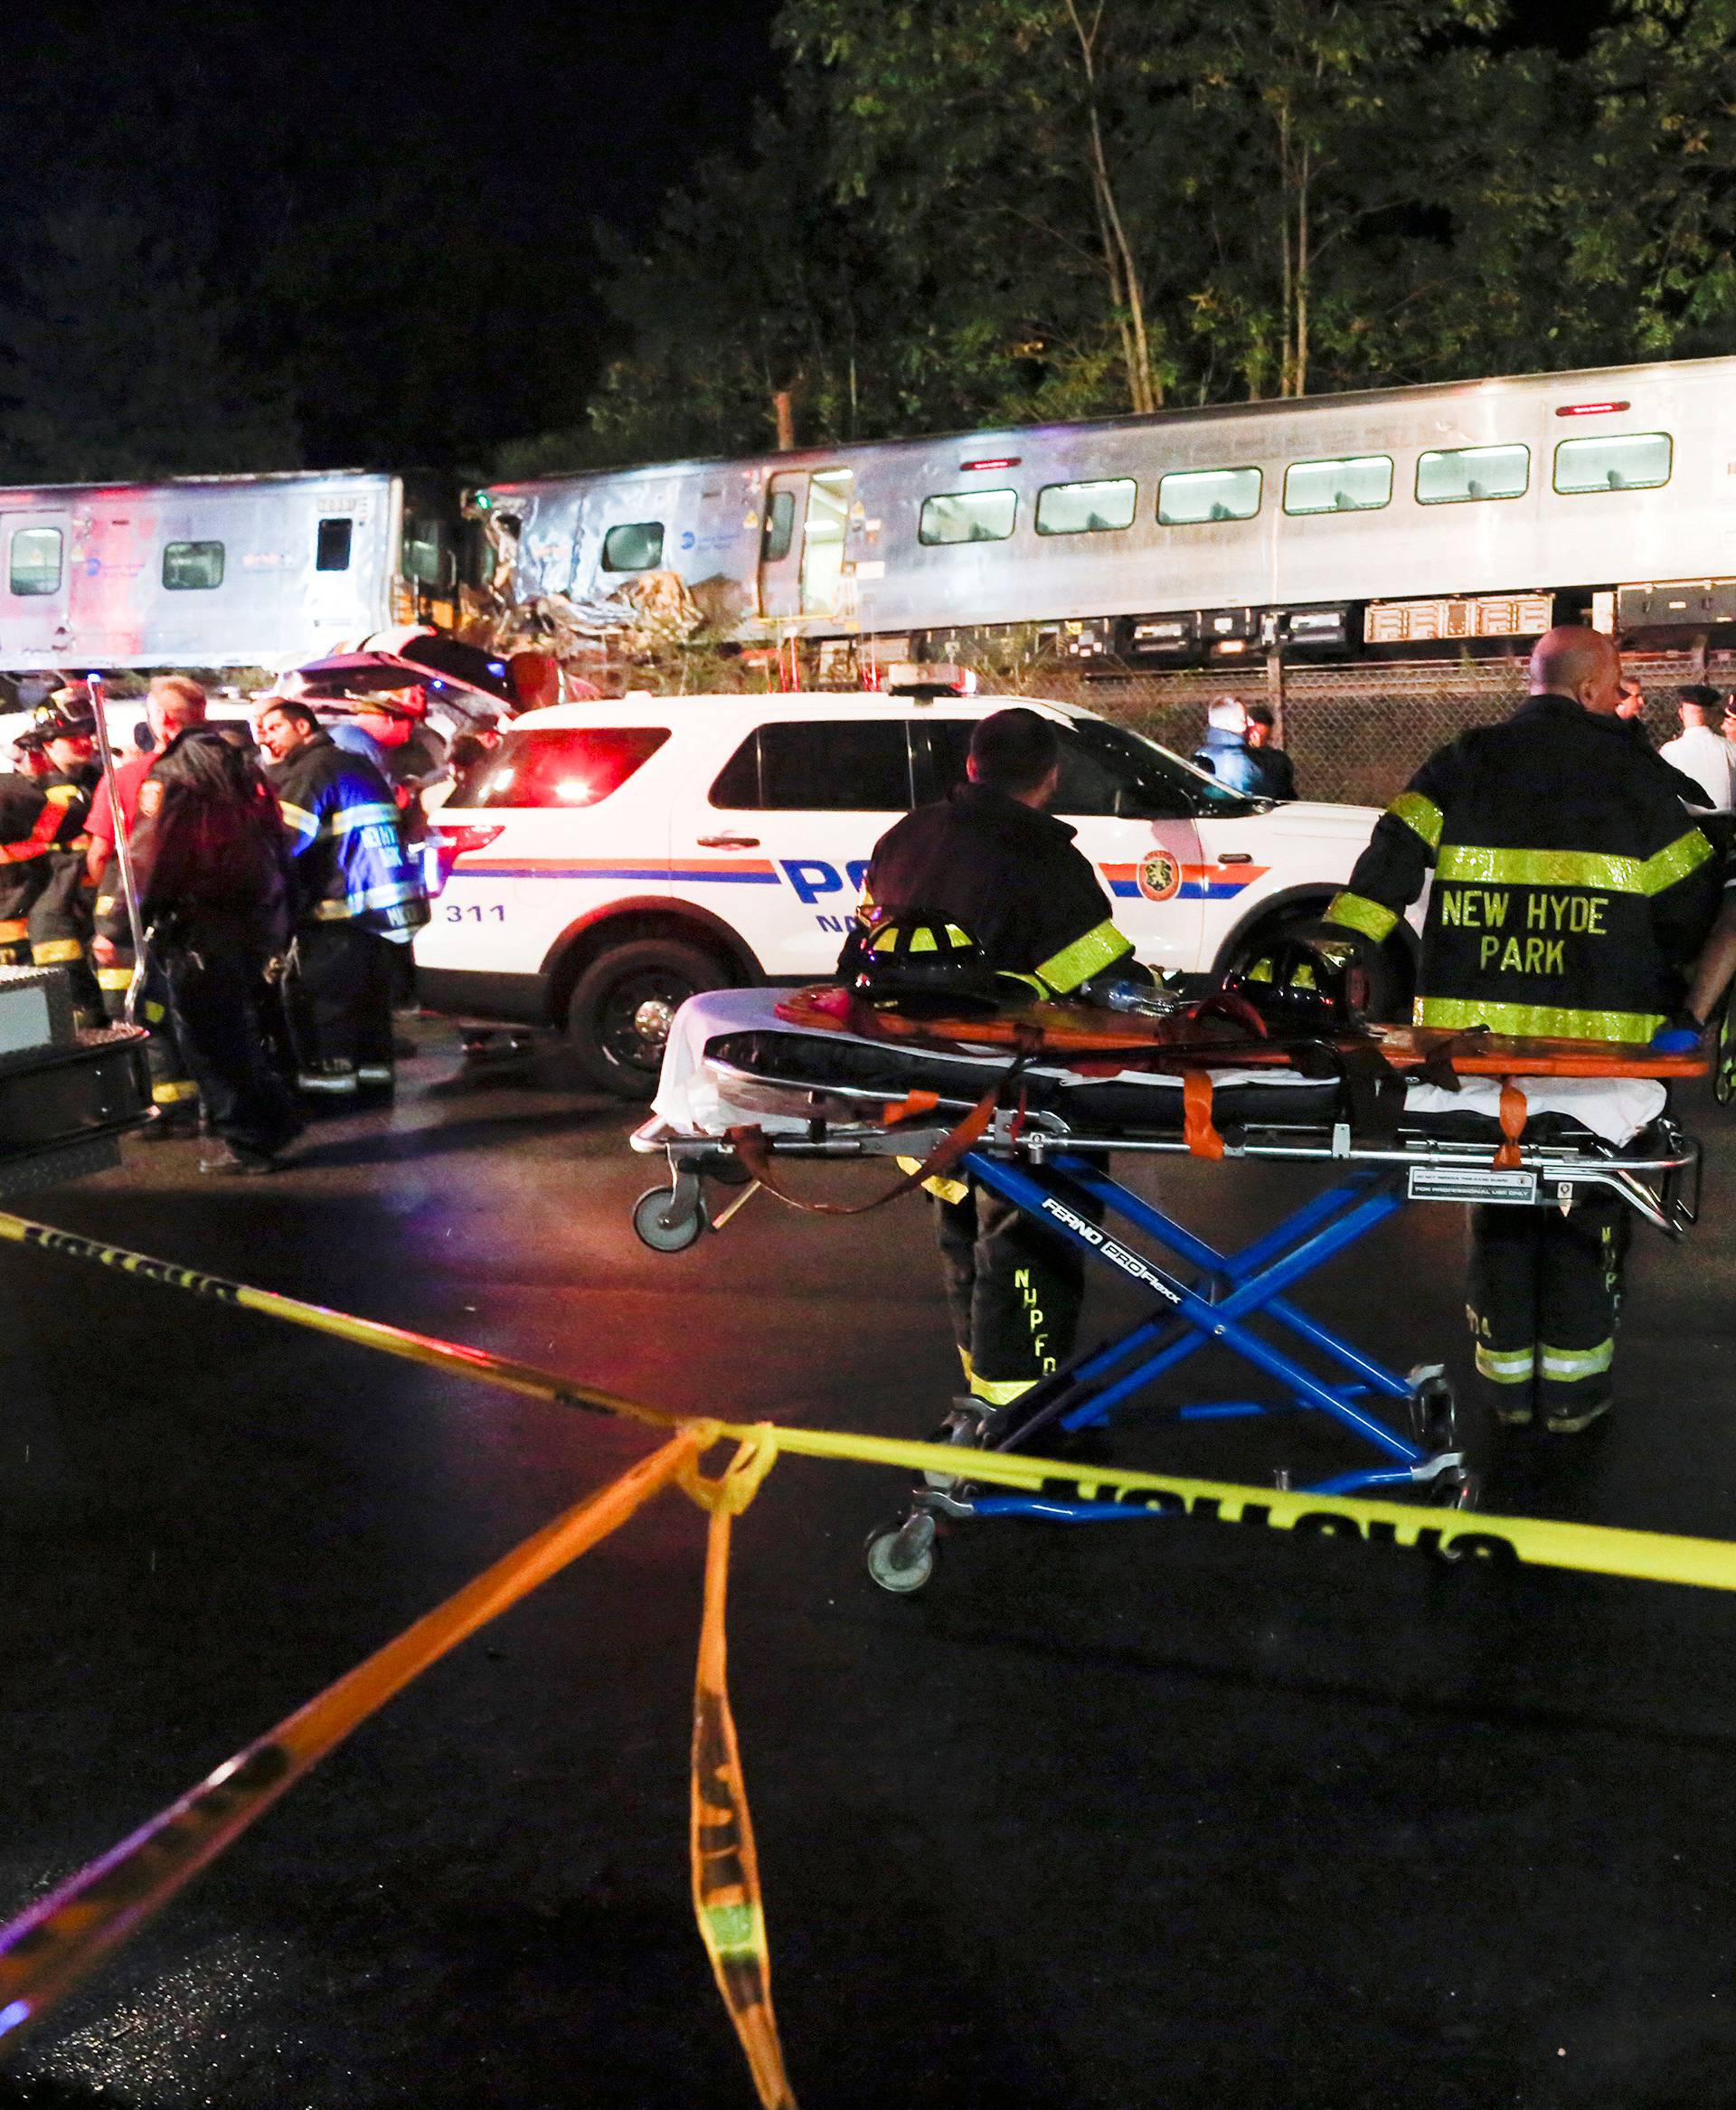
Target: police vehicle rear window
578 765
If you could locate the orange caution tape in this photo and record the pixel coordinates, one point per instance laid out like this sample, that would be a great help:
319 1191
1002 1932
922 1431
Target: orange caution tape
727 1899
49 1950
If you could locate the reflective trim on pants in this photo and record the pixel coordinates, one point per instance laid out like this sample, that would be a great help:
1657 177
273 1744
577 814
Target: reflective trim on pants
1568 1366
1506 1365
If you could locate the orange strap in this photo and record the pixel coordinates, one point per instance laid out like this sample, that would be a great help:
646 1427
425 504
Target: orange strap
1513 1113
751 1146
1201 1137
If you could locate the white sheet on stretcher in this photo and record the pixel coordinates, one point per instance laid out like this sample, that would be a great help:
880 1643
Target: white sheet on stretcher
691 1096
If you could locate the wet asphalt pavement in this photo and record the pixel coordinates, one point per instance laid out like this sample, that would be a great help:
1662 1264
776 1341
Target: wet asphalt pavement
1165 1814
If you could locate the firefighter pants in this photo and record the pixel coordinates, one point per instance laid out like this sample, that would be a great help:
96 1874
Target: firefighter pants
174 1091
1543 1301
1014 1290
218 1000
338 993
61 923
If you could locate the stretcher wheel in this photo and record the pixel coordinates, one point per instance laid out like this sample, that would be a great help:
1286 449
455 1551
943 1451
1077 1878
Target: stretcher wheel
658 1224
901 1556
1434 1414
963 1427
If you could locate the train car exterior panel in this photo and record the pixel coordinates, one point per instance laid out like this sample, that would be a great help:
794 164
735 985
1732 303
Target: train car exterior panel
941 533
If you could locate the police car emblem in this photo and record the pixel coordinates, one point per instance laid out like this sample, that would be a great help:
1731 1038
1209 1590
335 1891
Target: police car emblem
1160 876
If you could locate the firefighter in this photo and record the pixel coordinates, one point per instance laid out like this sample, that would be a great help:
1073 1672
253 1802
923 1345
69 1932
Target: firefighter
359 899
1568 891
29 822
60 917
215 893
990 865
172 703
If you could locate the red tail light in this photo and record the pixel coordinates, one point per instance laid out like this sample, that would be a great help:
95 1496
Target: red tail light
445 845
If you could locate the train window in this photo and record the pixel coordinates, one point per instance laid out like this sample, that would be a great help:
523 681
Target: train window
835 765
1189 498
1451 476
968 517
331 551
636 545
780 528
1086 508
192 567
1357 484
428 559
36 565
1621 461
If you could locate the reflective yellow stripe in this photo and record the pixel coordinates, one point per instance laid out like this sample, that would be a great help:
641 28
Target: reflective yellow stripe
105 902
999 1391
1686 854
11 933
1563 1365
961 940
1611 874
155 1012
56 952
115 978
354 816
1421 815
1355 912
60 794
1554 1021
923 940
175 1092
391 897
298 820
1079 962
1516 1367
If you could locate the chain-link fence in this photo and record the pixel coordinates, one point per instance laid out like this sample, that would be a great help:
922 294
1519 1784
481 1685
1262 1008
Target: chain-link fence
1354 732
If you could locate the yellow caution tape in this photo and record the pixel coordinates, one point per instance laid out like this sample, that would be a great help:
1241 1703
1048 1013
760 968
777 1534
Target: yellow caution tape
1648 1556
727 1899
50 1949
53 1946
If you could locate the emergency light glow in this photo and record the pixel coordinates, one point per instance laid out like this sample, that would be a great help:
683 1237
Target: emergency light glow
1590 409
992 461
575 791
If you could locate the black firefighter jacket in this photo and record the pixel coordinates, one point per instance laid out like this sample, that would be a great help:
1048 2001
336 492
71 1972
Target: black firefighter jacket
1569 887
352 865
208 851
1006 874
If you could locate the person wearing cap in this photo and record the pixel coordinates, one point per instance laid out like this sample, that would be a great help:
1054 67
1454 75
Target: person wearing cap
358 900
1224 753
1699 751
60 920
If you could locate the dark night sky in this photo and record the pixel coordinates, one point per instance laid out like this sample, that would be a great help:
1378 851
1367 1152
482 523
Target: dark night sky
398 200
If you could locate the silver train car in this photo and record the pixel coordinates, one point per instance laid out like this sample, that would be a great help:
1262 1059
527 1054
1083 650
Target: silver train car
218 572
1390 520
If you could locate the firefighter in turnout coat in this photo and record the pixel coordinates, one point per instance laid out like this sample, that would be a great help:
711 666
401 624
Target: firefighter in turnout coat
359 897
1570 888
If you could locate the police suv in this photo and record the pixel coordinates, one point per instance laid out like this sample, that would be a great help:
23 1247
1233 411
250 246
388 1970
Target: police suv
609 859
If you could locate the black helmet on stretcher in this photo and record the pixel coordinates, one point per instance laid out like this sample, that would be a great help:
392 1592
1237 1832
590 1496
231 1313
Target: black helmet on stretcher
923 964
1307 982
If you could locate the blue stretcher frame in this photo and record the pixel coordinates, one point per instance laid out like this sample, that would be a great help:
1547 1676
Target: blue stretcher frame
1070 1193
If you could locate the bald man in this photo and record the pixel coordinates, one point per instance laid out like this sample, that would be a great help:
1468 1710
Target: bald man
1570 889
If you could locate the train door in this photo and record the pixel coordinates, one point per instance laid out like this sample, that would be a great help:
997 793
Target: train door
34 627
780 544
801 540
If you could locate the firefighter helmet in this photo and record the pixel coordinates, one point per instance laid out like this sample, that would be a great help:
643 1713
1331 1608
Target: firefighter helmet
917 962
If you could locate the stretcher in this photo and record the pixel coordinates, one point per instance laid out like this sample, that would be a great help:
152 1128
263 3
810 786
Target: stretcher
754 1080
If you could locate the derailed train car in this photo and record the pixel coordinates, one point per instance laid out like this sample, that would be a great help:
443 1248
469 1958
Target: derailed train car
1396 519
219 571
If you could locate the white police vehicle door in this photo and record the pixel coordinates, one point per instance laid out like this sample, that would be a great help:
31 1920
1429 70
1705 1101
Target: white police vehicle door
797 810
1134 818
